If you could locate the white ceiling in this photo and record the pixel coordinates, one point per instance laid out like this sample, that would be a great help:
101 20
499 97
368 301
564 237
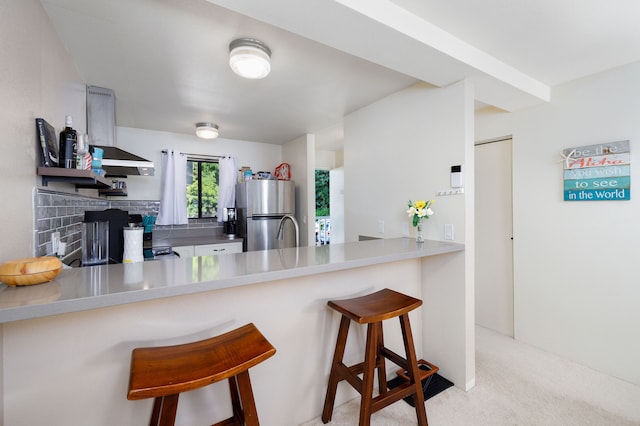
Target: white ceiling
167 60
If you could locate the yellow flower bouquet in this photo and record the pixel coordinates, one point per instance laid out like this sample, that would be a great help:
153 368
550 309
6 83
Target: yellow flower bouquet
419 210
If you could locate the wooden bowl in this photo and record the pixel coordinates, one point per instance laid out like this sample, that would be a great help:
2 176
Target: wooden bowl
30 270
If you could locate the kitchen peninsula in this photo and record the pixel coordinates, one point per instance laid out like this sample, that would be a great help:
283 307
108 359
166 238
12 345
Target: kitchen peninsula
67 343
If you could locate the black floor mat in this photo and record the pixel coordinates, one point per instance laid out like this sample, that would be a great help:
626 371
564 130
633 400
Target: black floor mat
435 386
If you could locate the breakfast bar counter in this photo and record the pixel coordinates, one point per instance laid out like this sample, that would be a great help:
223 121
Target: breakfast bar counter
78 289
66 344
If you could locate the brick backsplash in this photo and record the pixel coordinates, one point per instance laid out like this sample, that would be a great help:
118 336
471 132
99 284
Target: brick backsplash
64 212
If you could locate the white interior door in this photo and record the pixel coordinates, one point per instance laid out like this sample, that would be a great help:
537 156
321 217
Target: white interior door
494 236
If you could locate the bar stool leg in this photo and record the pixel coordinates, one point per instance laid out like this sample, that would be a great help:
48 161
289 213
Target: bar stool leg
248 403
414 372
382 370
236 404
370 362
164 410
155 413
341 342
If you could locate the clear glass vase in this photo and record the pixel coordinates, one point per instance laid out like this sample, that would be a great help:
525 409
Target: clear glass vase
419 237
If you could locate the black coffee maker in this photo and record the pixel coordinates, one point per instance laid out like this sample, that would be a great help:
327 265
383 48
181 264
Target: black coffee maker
118 220
229 221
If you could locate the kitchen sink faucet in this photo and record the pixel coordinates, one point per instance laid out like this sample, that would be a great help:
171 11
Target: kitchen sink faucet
280 235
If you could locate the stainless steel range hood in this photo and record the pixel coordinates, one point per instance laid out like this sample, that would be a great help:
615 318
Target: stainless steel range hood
101 126
119 163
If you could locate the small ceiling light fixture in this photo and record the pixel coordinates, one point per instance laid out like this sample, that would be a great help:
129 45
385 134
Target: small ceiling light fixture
250 58
207 130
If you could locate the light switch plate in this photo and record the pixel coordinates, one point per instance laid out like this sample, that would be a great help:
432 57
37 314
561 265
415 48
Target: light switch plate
448 231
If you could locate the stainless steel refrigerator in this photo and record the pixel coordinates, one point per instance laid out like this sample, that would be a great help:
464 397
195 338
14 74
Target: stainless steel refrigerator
266 208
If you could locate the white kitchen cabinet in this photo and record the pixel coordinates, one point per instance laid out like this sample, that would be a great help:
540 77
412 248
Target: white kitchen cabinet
222 248
184 251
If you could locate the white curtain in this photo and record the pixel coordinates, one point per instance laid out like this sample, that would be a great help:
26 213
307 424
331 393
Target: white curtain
173 194
227 173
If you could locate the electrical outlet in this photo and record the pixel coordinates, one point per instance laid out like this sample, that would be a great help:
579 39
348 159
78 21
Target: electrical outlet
381 227
405 229
448 231
55 240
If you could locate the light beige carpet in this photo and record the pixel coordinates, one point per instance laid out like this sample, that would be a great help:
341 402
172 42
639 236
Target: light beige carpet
516 384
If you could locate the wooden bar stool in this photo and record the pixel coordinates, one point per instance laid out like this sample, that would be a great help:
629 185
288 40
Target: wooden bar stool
372 310
164 372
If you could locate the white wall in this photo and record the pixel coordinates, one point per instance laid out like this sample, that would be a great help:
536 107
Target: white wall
37 79
149 144
325 160
336 205
300 154
425 132
409 157
576 264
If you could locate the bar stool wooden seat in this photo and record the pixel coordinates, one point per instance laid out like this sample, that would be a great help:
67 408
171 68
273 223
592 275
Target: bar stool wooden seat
372 309
164 372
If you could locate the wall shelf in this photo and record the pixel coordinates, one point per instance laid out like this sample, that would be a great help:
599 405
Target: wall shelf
80 178
113 192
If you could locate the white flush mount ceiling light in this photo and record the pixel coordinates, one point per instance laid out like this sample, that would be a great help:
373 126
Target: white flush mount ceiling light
207 130
250 58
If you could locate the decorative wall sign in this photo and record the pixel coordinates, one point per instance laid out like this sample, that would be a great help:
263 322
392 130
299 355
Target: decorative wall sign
599 172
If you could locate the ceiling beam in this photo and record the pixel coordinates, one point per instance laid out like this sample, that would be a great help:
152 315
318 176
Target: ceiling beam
384 33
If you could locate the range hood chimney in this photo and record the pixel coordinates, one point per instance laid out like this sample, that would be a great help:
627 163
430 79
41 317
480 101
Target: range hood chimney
101 126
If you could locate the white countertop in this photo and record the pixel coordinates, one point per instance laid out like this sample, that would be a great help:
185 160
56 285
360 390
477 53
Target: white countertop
101 286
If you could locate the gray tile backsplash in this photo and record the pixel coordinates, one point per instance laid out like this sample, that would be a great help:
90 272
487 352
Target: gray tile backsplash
64 212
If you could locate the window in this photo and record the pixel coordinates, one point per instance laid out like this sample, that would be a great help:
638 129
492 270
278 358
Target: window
323 222
322 193
202 188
